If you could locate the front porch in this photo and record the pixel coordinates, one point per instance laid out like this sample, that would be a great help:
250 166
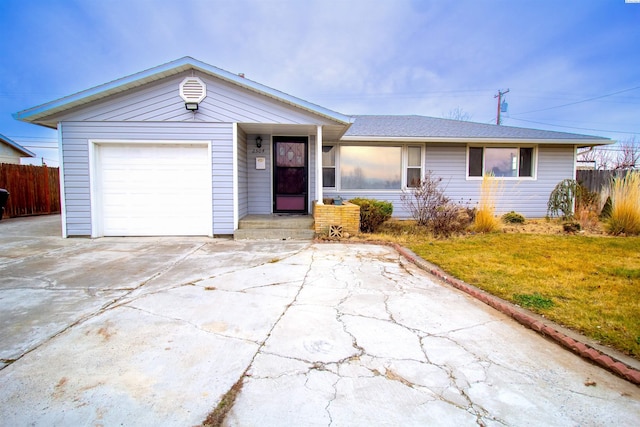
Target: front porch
275 226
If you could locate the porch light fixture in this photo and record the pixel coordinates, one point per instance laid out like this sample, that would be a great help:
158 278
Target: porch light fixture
191 106
259 141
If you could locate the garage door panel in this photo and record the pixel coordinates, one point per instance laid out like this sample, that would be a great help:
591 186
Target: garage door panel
155 189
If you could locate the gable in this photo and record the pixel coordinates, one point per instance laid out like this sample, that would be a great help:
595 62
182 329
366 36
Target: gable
160 101
150 95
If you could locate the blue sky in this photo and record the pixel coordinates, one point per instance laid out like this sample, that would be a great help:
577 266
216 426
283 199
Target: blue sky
571 66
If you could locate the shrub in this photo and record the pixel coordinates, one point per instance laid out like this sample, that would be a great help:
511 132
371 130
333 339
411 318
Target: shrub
605 213
562 199
449 219
587 207
485 220
513 218
424 200
625 205
571 227
372 213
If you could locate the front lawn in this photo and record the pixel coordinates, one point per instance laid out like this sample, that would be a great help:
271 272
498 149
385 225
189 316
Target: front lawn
587 283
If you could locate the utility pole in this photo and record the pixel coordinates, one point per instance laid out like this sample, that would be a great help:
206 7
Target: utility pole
499 96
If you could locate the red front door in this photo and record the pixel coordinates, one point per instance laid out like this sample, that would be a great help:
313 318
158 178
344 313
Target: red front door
290 174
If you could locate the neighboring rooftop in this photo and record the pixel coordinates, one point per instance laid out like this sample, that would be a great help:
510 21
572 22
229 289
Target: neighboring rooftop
431 128
16 146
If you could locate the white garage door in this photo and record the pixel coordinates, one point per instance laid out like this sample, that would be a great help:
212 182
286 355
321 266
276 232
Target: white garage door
154 189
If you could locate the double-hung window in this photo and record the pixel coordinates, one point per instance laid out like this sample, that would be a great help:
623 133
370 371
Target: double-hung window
371 167
501 162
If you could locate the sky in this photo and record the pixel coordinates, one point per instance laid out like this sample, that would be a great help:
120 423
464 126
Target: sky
569 65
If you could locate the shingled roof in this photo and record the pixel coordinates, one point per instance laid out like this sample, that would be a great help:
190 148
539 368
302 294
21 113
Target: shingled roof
432 128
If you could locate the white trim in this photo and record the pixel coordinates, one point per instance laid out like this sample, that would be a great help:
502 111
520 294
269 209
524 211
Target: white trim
63 198
534 161
404 155
234 160
318 166
97 226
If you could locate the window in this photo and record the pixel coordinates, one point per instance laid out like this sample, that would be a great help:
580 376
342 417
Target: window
502 162
370 168
414 166
329 166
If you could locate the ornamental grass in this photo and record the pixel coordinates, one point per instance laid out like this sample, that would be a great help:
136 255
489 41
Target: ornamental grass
625 210
485 220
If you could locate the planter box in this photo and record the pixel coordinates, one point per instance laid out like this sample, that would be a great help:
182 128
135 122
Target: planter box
346 216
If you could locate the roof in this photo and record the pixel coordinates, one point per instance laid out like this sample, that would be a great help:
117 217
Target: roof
39 113
422 128
16 146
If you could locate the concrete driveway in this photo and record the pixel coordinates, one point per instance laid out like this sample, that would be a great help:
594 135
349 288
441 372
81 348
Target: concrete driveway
154 331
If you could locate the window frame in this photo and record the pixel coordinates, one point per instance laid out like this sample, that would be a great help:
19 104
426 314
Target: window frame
484 147
334 167
404 165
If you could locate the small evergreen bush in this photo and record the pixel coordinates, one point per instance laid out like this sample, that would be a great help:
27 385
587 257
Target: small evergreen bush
513 218
372 213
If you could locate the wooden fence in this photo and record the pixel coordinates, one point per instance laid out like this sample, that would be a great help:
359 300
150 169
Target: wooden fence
595 180
33 190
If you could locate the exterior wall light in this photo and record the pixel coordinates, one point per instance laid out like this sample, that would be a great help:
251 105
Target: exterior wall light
192 91
259 142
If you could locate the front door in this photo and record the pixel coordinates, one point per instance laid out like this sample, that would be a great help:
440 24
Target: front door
290 174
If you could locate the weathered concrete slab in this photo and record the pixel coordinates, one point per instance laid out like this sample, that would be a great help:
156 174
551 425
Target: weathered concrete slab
153 331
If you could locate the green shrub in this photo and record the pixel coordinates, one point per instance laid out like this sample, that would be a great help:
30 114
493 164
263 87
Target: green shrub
513 218
562 199
372 213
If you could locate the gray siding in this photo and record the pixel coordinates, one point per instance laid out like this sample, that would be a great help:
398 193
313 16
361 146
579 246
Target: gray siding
259 181
528 197
75 146
160 102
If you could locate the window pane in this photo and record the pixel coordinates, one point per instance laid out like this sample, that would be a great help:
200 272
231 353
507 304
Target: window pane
526 162
328 155
501 162
328 177
475 161
370 168
413 177
414 156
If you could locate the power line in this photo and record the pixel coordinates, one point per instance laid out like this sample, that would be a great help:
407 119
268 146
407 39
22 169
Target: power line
580 102
575 127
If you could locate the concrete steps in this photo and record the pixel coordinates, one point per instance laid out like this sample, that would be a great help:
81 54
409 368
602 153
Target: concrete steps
275 227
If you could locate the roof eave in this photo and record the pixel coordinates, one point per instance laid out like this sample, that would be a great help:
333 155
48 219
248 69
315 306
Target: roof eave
17 146
40 112
471 140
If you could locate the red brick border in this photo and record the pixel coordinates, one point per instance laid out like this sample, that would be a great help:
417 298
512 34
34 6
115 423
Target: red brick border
580 348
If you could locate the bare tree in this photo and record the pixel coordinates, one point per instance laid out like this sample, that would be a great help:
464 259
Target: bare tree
601 157
624 155
458 114
629 155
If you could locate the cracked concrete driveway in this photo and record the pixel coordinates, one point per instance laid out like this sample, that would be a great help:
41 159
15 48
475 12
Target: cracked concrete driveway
153 331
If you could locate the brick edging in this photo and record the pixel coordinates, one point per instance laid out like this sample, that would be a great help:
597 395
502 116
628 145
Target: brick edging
581 349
